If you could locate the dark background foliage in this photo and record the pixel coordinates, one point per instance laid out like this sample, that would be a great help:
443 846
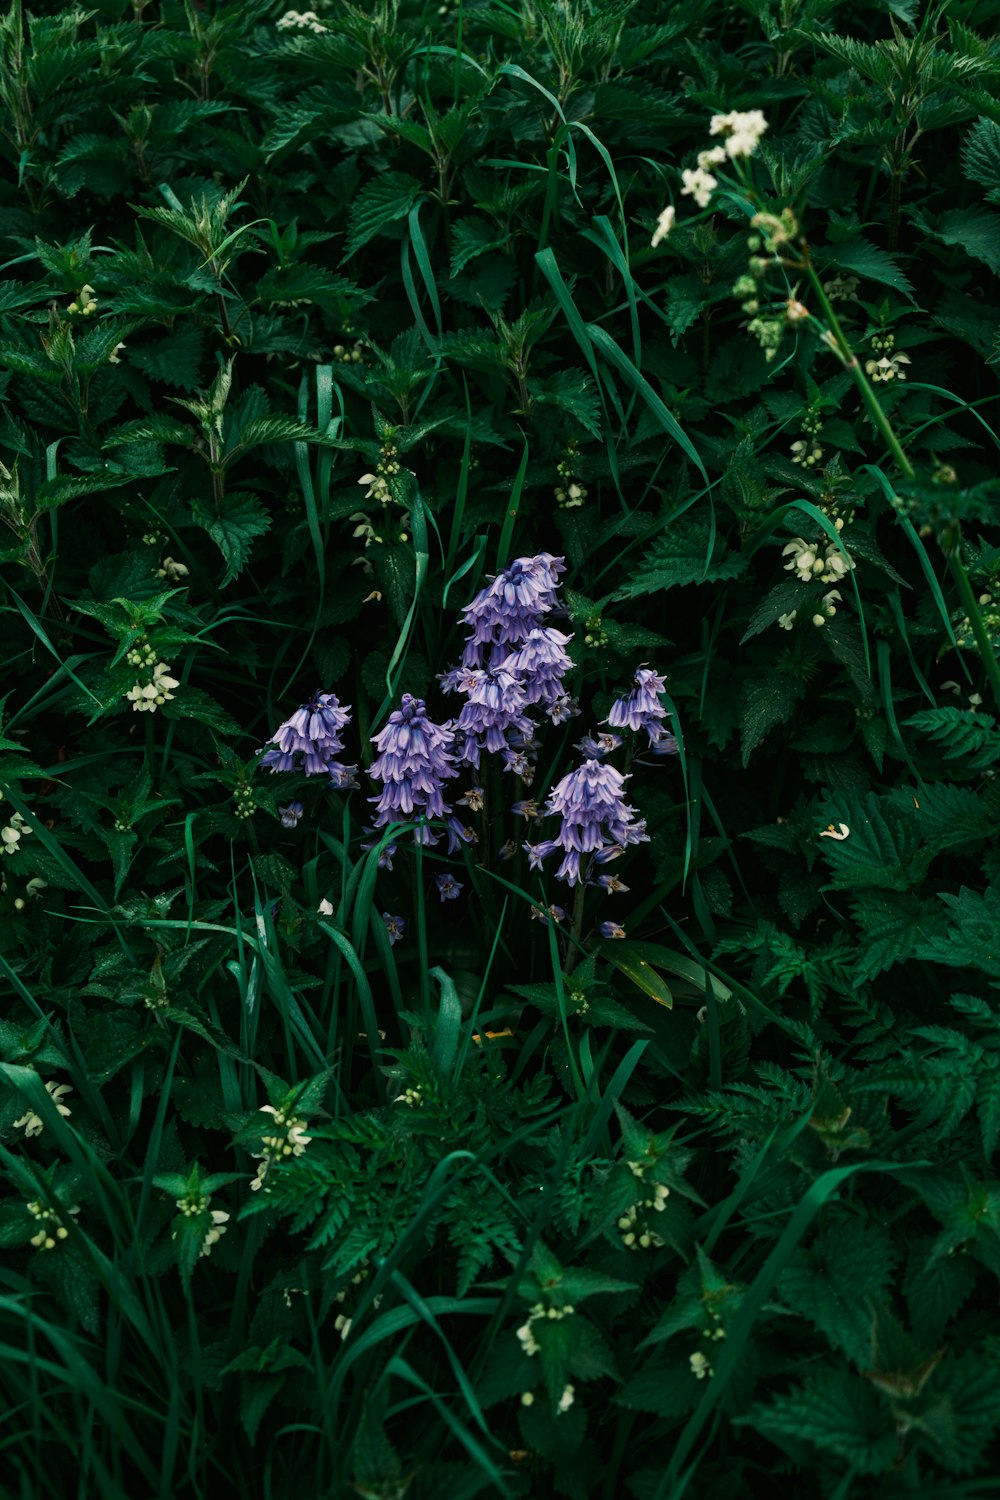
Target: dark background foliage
731 1175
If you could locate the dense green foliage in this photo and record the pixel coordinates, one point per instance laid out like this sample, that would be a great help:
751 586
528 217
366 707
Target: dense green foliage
690 1211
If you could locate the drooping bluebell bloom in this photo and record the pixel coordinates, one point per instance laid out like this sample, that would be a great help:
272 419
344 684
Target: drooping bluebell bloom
512 604
641 708
394 926
413 763
448 888
596 820
310 740
291 814
541 663
597 746
493 711
612 930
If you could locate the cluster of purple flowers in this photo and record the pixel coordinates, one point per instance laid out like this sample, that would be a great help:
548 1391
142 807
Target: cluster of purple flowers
641 709
415 760
512 661
597 823
310 740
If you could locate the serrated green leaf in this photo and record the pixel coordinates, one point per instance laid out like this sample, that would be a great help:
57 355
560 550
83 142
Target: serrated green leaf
388 198
233 524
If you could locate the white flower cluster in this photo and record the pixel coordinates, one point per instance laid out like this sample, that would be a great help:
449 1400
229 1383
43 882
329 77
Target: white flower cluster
411 1097
305 20
85 303
291 1142
700 1366
525 1334
151 696
634 1224
571 497
51 1227
741 131
33 1124
172 570
194 1204
664 224
14 832
829 565
32 890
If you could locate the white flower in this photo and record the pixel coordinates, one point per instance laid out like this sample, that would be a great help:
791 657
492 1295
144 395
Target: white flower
306 20
711 158
215 1232
700 1366
840 833
172 570
803 558
699 185
742 130
325 908
151 696
887 368
113 357
806 452
787 621
664 224
33 1124
567 1398
527 1398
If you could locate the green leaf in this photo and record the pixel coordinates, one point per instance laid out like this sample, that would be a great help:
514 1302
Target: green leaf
233 524
974 230
839 1413
471 237
684 552
981 155
868 260
388 198
765 703
883 848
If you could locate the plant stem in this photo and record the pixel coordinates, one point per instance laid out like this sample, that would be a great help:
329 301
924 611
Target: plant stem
951 546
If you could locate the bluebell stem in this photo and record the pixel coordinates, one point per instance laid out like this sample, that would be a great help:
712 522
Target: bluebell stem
413 763
312 736
596 820
641 708
291 814
394 926
448 888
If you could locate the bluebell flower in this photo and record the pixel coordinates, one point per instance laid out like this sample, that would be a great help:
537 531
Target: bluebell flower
493 710
291 814
597 746
394 926
512 604
612 930
309 740
610 883
555 912
641 708
541 663
661 741
413 763
448 888
595 820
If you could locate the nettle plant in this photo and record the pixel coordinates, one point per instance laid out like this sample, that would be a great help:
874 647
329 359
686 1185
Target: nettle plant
498 877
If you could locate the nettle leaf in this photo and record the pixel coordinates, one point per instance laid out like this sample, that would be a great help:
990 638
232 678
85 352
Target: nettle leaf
870 261
974 230
175 360
388 198
883 848
981 156
471 237
837 1412
686 551
836 1283
894 925
766 702
572 391
233 524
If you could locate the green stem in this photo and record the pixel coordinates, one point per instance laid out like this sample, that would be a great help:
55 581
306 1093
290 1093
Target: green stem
853 364
951 543
576 928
